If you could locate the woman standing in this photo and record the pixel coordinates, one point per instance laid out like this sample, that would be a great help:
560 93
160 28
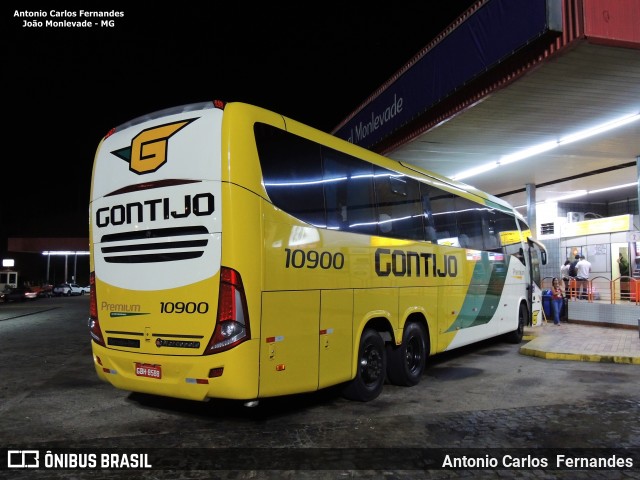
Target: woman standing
557 300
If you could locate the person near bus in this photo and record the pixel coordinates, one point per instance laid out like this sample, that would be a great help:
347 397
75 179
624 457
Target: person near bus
573 273
564 274
623 267
557 300
583 269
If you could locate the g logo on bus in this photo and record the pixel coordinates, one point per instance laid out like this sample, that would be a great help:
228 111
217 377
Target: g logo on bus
148 150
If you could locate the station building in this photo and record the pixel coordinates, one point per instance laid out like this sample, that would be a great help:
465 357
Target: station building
538 103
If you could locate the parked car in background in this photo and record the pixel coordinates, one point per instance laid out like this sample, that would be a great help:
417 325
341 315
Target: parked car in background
18 294
86 289
67 289
44 290
30 294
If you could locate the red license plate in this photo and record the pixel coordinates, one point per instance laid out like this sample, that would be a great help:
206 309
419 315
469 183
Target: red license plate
148 370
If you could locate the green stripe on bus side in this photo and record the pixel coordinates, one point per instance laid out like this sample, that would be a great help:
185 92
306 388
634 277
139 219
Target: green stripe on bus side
487 282
492 296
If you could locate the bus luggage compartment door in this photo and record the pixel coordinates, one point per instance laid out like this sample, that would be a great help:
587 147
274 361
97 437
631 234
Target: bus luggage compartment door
289 342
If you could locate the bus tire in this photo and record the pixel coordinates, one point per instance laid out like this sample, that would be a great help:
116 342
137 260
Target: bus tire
406 363
523 317
372 365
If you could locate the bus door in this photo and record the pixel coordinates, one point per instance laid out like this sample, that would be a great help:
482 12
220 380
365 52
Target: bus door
537 255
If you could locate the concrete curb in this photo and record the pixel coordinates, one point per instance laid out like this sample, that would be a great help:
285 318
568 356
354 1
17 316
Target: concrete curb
579 357
582 344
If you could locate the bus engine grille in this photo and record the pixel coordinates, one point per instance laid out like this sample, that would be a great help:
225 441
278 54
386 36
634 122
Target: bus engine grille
155 245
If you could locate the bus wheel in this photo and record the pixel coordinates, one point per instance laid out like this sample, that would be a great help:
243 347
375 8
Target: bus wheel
370 374
518 333
406 363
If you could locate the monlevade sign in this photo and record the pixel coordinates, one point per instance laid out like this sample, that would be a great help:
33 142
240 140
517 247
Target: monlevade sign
361 130
470 49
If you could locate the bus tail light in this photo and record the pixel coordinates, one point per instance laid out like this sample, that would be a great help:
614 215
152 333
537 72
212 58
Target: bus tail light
94 324
232 322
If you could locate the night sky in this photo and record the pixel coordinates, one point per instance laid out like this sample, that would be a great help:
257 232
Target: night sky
65 87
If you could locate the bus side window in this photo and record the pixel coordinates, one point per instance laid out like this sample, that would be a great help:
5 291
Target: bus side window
399 205
469 219
492 227
348 192
444 217
292 172
504 226
361 208
429 227
335 177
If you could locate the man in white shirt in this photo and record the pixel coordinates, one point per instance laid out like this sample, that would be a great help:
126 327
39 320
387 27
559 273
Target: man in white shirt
583 269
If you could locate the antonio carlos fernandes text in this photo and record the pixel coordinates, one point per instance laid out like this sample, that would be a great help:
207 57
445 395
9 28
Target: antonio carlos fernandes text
530 461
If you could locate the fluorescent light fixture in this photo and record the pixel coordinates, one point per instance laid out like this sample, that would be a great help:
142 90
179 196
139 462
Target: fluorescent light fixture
546 146
581 193
604 127
527 152
475 171
62 252
615 187
577 193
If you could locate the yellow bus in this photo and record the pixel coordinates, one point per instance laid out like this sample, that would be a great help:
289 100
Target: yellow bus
239 254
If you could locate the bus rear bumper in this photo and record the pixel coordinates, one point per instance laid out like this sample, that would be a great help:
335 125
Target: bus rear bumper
230 375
